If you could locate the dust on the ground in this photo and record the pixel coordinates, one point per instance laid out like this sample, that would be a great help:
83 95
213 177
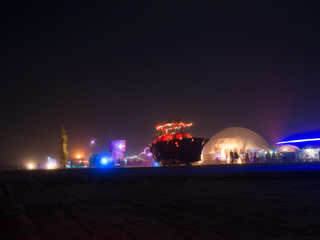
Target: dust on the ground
276 202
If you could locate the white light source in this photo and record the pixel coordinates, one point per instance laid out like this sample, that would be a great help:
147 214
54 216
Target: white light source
52 163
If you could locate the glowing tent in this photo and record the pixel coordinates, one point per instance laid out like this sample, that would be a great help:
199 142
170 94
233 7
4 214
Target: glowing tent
237 139
288 148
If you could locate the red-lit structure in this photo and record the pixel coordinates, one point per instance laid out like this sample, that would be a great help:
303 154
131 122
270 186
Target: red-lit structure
174 146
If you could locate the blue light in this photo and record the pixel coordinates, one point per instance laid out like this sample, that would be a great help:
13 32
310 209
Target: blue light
156 164
104 160
300 140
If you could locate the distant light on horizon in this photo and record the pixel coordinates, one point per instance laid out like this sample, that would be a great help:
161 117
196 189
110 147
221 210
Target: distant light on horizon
52 163
30 166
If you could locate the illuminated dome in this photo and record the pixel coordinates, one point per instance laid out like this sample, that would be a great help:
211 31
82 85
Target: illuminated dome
288 148
237 139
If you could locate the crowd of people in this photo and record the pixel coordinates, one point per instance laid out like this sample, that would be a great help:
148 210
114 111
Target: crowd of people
234 157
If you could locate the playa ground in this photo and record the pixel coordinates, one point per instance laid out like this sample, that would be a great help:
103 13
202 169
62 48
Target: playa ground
279 201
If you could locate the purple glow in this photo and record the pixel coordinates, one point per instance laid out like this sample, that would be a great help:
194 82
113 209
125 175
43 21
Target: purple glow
117 146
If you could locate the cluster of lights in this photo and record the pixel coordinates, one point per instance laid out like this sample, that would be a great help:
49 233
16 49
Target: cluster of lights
271 152
169 126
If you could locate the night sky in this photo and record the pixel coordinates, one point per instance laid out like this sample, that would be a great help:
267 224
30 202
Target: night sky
113 70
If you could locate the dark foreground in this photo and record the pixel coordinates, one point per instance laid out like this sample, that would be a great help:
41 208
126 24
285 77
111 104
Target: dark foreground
242 202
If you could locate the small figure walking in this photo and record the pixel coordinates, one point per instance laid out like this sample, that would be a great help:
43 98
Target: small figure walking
268 156
246 158
273 157
255 158
236 156
231 156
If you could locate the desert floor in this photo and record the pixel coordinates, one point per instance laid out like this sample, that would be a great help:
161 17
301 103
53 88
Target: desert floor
268 201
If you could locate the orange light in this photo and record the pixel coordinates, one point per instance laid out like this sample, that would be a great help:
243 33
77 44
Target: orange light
78 156
170 126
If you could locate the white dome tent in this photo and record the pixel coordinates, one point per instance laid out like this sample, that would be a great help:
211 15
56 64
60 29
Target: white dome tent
236 139
287 148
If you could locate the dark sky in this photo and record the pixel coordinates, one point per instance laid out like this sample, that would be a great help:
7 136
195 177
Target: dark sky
115 69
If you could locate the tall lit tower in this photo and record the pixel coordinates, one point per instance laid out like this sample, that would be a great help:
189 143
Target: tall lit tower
63 153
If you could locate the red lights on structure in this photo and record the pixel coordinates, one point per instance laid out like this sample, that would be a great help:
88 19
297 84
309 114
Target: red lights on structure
169 126
172 136
175 124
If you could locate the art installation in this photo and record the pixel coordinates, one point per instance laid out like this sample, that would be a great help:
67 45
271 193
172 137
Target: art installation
63 153
174 146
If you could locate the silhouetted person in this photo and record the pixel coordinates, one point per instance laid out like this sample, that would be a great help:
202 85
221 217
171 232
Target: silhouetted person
285 157
231 157
268 156
246 158
255 158
273 157
236 156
